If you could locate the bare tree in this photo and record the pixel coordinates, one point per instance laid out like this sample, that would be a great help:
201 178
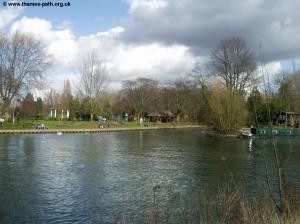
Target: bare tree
293 92
234 62
139 95
182 96
23 62
92 80
52 98
66 96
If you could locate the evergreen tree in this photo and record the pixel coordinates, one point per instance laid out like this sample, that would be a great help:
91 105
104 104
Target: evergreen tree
28 106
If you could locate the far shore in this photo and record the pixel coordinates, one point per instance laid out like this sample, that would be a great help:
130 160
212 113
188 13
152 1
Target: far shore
93 130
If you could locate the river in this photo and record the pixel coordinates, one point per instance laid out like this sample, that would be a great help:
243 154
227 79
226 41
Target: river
91 178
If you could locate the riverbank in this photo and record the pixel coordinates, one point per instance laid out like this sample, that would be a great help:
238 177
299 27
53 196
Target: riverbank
93 130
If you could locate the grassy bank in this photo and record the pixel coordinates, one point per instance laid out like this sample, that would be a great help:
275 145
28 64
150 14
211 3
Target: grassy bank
65 124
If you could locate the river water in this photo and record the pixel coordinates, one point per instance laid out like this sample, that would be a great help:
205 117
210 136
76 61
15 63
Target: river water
91 178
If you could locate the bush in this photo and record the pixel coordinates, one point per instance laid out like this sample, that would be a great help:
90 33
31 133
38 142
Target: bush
227 109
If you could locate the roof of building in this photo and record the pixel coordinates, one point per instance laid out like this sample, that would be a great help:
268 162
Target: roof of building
165 113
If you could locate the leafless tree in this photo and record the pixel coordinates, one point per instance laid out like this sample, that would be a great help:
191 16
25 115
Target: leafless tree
139 95
23 61
182 97
66 96
51 98
295 92
234 62
92 80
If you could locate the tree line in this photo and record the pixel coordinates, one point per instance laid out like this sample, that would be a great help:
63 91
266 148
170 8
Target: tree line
230 95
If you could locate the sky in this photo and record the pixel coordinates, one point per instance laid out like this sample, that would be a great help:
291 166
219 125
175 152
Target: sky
158 39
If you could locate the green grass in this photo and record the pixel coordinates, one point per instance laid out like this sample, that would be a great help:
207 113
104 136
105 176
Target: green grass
65 124
51 124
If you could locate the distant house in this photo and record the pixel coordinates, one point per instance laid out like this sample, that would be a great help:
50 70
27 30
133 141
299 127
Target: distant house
290 119
56 114
165 116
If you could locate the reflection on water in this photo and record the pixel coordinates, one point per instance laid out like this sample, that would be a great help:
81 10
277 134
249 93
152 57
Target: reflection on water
250 145
87 178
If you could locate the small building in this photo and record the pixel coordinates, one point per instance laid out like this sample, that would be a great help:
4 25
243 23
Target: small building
288 119
57 115
154 117
165 116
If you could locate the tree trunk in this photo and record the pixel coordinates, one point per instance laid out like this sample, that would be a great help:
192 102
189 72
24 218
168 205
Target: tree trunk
177 118
92 116
4 113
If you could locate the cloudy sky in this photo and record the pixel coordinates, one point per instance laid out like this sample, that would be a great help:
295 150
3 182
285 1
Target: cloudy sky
160 39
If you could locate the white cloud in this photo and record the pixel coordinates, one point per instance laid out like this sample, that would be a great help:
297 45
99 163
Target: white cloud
272 68
62 44
153 60
113 32
64 48
129 61
268 73
123 60
146 5
7 15
36 27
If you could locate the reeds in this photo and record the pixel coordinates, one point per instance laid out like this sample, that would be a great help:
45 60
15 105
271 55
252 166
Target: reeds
229 205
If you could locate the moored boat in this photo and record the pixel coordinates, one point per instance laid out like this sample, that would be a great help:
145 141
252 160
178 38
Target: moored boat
270 132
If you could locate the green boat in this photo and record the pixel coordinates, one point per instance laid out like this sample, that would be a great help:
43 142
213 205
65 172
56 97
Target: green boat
287 125
270 132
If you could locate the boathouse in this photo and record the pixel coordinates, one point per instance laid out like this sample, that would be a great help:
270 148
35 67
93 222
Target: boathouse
165 116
